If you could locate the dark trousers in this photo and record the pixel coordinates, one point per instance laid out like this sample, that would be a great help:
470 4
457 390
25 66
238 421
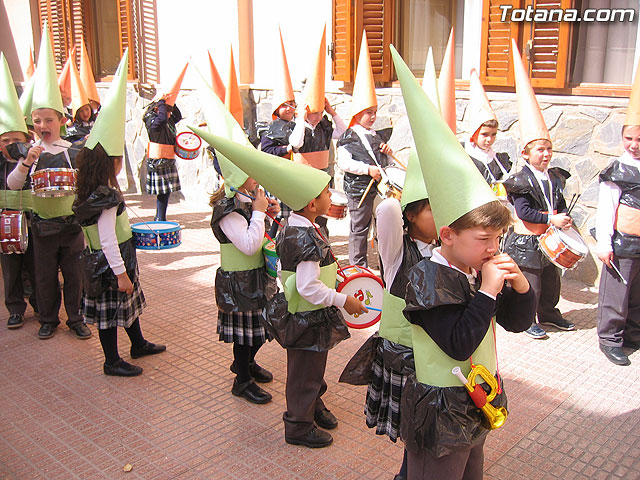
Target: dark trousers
619 304
61 250
464 464
359 231
13 266
545 283
305 386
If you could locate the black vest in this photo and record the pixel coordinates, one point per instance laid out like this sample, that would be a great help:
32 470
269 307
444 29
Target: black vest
355 185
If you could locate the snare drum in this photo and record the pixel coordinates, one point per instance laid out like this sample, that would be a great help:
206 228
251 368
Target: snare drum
188 145
366 287
565 248
338 207
53 182
13 232
156 235
393 187
270 258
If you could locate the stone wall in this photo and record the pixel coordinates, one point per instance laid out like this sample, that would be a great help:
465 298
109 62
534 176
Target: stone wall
585 132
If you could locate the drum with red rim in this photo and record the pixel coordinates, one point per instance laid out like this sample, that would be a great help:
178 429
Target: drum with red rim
188 145
13 232
565 248
361 283
338 207
53 182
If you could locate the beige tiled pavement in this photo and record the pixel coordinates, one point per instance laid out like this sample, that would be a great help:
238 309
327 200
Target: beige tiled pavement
573 415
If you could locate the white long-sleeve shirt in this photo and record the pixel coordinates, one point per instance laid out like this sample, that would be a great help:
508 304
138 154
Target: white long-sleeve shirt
296 139
245 237
608 201
16 179
346 163
308 281
109 240
484 156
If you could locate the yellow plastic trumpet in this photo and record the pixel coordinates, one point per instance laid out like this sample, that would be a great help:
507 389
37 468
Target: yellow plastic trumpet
495 416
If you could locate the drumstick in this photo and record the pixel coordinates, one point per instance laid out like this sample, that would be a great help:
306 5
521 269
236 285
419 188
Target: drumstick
400 164
613 265
234 189
366 192
573 204
374 309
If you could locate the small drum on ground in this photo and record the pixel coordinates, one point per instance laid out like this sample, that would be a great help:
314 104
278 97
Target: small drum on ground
188 145
270 258
338 207
366 287
565 248
53 182
13 232
156 235
395 183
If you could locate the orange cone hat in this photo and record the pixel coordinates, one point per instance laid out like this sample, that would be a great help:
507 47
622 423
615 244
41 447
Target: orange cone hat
314 90
284 92
31 68
86 74
79 97
216 82
64 79
172 93
447 84
480 110
364 87
232 99
633 110
532 126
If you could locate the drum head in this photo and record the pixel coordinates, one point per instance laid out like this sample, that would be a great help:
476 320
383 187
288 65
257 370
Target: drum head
396 176
189 141
574 241
338 197
367 288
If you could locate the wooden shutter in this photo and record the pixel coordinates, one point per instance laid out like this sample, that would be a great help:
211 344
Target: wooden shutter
342 41
127 34
147 63
546 47
495 49
376 17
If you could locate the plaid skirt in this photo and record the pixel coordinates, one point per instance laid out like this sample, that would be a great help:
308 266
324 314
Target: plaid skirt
114 308
162 176
243 328
382 406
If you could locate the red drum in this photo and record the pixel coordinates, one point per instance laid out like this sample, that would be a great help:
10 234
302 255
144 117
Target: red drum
13 232
188 145
53 182
366 287
565 248
338 207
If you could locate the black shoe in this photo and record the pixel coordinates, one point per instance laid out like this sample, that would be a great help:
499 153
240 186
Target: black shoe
250 391
313 439
326 419
15 320
259 374
560 323
122 369
399 477
47 330
615 355
147 349
81 330
625 343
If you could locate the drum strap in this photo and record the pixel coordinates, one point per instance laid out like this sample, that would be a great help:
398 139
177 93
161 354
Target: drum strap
318 160
160 150
296 303
525 228
233 260
123 232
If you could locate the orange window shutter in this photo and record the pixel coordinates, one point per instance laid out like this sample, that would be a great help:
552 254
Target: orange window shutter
342 46
376 17
56 15
148 67
126 31
495 55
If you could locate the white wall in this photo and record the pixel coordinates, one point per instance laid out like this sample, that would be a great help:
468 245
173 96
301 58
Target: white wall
16 35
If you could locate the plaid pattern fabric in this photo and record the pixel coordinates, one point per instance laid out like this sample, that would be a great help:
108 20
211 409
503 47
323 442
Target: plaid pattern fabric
114 308
162 178
243 328
382 406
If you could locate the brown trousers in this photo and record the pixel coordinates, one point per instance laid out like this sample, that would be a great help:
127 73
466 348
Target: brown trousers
464 464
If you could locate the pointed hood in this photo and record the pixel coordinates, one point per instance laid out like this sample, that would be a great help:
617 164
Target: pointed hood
430 82
447 84
532 126
479 109
108 130
232 99
314 88
284 92
174 90
31 68
11 116
26 100
216 82
414 188
46 93
454 184
86 74
79 97
633 110
364 87
220 122
64 79
275 174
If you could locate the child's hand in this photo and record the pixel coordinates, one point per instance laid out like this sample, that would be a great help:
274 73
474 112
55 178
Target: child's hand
261 202
124 283
386 149
353 306
512 272
375 173
606 258
492 278
32 155
328 108
560 220
274 206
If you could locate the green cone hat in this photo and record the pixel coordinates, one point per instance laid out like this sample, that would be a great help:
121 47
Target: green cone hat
414 187
108 130
293 183
430 81
26 99
455 185
46 92
222 123
11 116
